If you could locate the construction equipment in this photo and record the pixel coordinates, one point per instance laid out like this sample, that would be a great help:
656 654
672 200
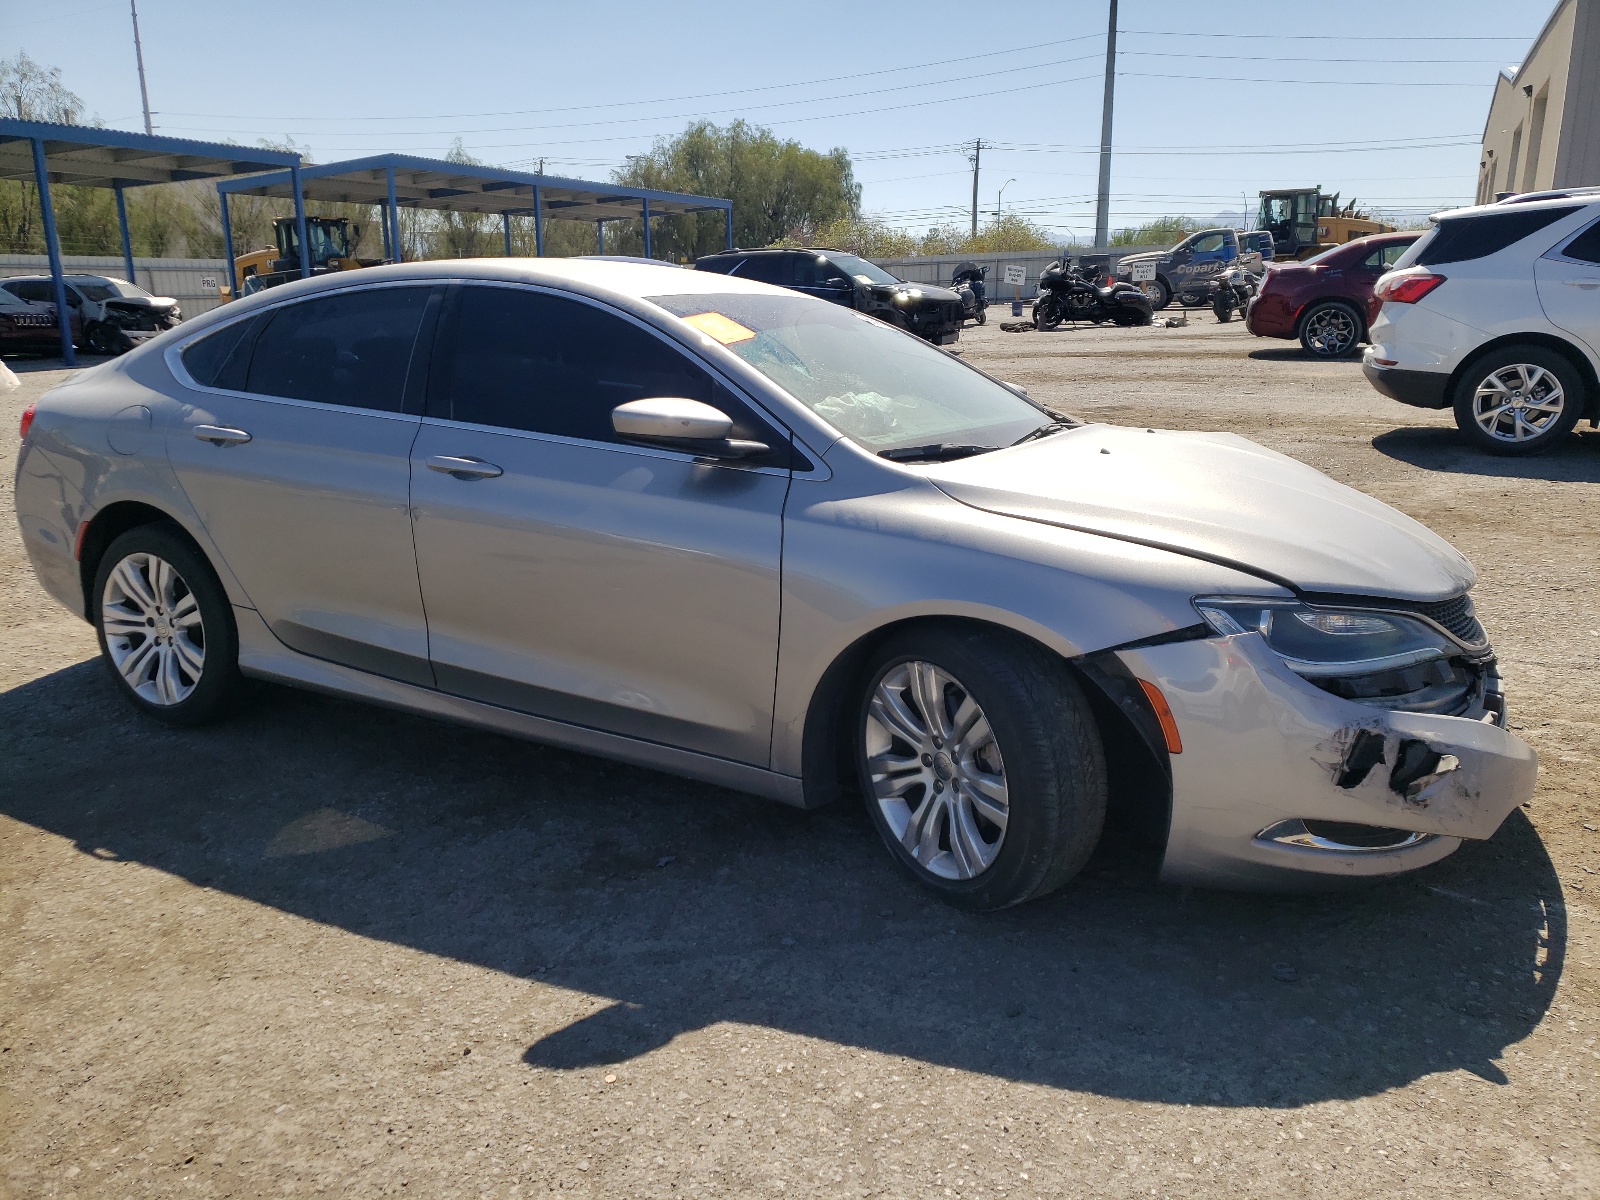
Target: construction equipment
327 248
1304 222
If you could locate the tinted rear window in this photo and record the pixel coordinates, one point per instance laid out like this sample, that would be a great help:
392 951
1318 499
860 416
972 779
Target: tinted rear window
221 359
350 348
722 266
1461 239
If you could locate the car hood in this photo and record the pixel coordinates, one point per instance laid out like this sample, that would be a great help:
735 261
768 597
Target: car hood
930 291
131 302
1218 497
1146 256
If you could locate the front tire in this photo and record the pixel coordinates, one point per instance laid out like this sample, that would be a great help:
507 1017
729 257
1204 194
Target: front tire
983 315
1331 330
981 764
1223 309
1519 400
1159 293
1046 313
165 627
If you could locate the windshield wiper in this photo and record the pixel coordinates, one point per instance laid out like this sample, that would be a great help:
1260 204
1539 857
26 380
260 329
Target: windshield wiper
1045 431
937 452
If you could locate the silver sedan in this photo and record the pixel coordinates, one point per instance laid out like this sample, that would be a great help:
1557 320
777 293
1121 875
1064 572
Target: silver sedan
733 532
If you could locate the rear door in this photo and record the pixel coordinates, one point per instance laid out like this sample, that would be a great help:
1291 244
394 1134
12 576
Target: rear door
574 576
1568 279
295 450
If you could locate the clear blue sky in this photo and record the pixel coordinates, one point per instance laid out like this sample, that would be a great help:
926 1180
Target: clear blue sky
584 85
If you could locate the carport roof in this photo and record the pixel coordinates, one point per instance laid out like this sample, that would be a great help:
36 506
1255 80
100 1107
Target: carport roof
89 157
467 187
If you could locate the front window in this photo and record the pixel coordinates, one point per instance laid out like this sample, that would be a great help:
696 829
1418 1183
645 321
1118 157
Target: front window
111 289
879 387
860 269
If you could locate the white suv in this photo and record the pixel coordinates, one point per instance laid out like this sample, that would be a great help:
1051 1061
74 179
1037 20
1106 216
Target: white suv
1495 311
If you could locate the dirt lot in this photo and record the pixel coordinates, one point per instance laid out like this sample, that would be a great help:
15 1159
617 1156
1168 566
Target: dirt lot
329 950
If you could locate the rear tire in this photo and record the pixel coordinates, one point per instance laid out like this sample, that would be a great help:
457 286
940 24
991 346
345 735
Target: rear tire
981 764
1331 329
1519 400
165 627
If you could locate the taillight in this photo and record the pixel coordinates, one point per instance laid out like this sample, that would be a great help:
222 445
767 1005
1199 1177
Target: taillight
1406 288
27 421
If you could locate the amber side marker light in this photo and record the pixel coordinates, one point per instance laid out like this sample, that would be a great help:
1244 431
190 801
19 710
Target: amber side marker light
1169 727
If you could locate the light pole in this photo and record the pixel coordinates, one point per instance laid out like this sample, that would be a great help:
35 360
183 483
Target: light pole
999 200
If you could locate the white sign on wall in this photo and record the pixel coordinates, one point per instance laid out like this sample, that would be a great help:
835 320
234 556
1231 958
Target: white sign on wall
1016 274
1143 272
208 281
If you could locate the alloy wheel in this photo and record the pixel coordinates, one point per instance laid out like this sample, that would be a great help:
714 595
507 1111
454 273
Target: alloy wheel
1331 332
1518 402
936 770
153 630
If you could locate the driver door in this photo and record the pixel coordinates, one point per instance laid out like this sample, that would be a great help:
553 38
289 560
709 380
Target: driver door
574 576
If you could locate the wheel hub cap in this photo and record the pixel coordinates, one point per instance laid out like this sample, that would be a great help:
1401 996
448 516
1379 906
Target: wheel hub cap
1518 402
154 635
937 775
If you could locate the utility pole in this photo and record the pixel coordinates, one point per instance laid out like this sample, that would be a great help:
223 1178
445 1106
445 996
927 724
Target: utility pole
977 151
1102 210
138 53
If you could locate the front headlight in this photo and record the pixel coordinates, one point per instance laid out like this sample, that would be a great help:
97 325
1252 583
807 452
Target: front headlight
1317 642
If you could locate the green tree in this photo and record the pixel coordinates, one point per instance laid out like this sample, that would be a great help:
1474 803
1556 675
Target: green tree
30 91
779 189
1008 232
1166 231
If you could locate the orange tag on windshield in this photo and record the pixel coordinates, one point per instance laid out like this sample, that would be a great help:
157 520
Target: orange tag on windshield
724 329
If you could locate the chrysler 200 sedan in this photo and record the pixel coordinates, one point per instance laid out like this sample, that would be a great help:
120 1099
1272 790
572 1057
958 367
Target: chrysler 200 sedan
721 529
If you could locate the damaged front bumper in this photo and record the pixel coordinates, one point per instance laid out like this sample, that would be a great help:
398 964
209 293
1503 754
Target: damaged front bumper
1283 785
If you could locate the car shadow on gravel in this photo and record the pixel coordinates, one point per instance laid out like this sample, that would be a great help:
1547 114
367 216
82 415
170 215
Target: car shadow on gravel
686 905
1439 448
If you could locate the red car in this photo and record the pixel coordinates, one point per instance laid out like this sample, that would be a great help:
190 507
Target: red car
1326 301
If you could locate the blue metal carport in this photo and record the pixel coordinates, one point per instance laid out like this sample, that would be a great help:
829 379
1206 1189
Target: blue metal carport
87 157
395 181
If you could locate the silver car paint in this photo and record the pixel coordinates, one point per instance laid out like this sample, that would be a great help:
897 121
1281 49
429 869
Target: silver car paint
1261 745
1218 496
866 543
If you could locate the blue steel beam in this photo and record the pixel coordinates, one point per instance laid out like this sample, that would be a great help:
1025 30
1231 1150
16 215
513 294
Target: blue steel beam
122 226
727 224
227 247
300 223
394 216
538 221
647 226
383 223
47 211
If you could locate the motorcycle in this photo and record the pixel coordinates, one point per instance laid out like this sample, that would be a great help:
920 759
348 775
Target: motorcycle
967 282
1070 294
1232 289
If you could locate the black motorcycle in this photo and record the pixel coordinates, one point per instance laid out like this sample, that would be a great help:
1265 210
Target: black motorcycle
1232 290
1071 294
967 282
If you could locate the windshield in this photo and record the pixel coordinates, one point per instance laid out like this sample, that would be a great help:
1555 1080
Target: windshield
861 269
884 389
111 289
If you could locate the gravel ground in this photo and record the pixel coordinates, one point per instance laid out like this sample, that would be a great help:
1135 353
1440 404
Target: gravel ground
325 949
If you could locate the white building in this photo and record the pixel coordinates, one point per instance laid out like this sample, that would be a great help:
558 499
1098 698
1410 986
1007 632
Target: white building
1543 129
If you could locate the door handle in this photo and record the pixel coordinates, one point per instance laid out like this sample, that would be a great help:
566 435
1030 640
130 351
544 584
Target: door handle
221 435
1587 285
463 468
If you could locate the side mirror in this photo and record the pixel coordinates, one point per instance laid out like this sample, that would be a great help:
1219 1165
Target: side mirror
675 423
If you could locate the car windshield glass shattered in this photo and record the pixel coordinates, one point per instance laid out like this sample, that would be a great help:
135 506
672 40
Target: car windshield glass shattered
880 387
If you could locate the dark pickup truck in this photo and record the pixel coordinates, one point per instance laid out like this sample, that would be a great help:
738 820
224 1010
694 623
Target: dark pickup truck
1185 272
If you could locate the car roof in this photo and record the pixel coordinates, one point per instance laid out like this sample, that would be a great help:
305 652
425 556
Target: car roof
73 275
1478 210
595 276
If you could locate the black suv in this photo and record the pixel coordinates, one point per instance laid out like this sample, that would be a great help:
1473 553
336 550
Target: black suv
926 310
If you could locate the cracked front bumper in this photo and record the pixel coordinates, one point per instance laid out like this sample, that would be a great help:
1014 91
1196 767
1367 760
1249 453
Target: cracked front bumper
1263 751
